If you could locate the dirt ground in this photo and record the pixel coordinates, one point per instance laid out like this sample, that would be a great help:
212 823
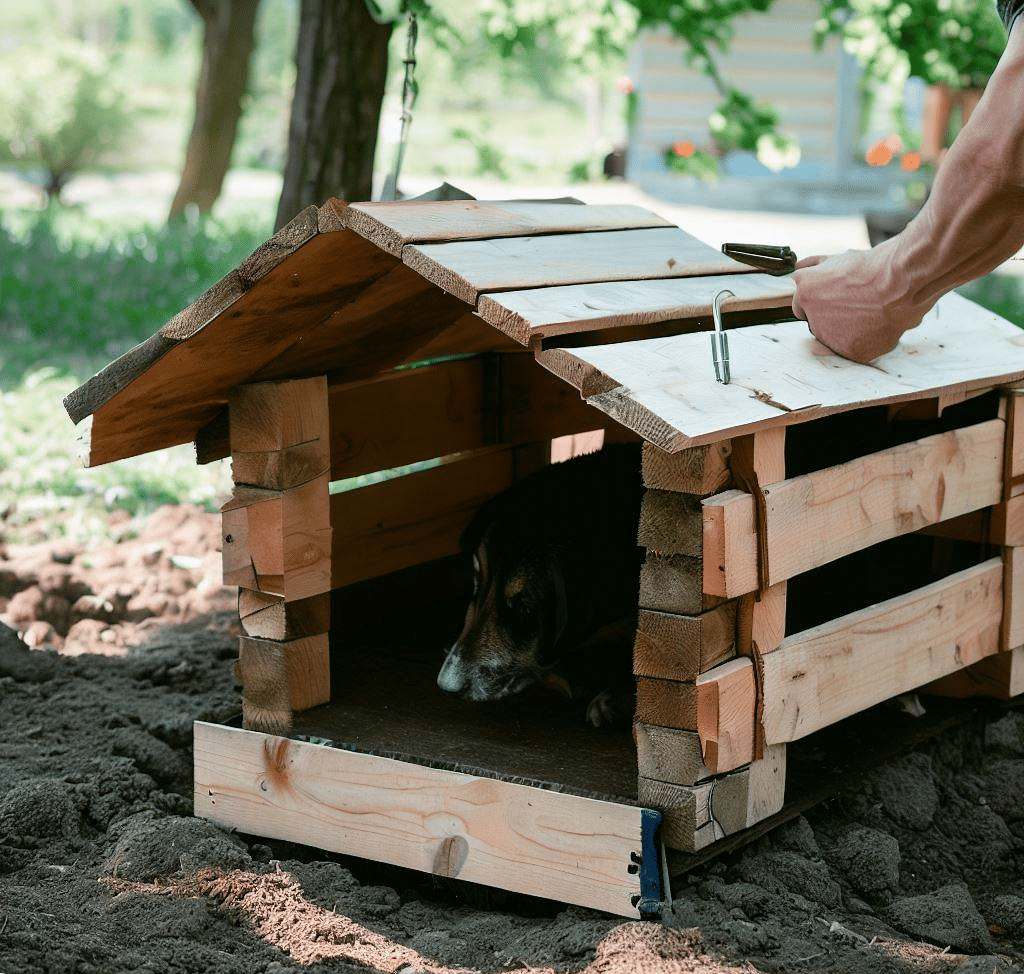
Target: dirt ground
103 870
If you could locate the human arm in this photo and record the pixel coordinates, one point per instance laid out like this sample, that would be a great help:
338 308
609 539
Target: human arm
859 303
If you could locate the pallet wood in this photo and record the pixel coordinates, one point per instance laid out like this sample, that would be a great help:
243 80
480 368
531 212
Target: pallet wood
393 225
700 470
697 816
451 407
391 525
469 268
679 647
665 388
816 678
538 313
559 846
819 517
281 677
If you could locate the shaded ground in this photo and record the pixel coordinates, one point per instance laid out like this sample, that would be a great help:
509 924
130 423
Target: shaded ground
921 868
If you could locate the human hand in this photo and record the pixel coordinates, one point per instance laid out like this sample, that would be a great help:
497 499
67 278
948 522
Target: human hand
851 303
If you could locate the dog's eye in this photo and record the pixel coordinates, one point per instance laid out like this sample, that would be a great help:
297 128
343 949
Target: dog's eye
522 605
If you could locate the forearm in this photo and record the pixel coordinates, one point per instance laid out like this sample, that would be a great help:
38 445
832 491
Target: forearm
974 217
859 303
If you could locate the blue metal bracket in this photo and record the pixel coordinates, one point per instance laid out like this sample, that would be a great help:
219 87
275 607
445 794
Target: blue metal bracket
650 899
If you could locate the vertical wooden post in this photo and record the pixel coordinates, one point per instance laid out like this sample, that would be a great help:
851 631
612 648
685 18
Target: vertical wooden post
699 750
277 546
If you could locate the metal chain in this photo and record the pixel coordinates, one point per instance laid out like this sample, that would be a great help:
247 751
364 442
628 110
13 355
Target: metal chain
410 89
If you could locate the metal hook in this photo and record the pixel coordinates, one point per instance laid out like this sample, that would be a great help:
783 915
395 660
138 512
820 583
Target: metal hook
720 340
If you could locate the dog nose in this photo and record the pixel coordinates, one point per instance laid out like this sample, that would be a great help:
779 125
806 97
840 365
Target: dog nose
452 677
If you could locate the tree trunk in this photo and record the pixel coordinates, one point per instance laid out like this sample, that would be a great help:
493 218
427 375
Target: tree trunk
341 61
228 41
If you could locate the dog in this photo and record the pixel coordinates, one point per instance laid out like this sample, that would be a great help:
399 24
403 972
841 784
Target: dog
556 568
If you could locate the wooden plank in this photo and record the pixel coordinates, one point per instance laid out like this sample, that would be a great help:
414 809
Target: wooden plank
824 674
272 416
816 518
467 335
726 714
671 523
1013 595
678 647
451 407
539 313
273 617
761 620
482 830
667 703
279 678
666 387
393 225
669 754
672 583
700 470
695 816
101 388
1008 522
1014 410
186 387
1000 676
468 268
418 517
279 542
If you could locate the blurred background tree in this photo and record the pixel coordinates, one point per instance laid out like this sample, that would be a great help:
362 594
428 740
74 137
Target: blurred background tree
61 108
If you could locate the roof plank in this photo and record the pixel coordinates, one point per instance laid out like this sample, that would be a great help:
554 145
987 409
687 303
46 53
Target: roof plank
169 401
539 313
393 225
467 268
665 389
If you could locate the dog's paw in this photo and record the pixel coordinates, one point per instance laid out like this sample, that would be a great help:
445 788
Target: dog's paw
602 709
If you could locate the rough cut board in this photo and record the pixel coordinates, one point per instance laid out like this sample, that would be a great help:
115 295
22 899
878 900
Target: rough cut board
565 847
393 225
543 312
665 388
466 268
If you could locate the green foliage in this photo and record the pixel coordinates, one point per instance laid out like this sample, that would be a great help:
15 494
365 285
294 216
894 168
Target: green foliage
1002 294
73 297
954 42
490 160
61 110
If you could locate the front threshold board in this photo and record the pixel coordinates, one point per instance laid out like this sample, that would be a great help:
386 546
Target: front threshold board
585 851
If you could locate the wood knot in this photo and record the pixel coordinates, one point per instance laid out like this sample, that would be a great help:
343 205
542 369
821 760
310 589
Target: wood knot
451 856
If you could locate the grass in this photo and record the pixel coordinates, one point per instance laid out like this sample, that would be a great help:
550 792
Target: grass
75 295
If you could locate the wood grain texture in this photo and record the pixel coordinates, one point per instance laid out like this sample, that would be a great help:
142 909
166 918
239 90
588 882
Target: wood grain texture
272 617
187 387
816 518
469 268
667 703
781 375
672 583
700 470
818 677
271 416
669 754
420 516
393 225
1013 598
695 816
671 523
679 647
726 715
450 407
543 312
559 846
1000 676
1007 526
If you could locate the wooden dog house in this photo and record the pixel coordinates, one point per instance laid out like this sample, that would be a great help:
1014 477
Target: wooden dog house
821 535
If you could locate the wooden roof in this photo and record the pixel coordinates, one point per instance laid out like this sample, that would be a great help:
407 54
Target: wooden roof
355 290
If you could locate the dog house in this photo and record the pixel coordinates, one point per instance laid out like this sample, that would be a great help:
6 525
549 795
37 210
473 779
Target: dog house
821 535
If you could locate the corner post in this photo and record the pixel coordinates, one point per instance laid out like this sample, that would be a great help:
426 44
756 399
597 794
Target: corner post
277 547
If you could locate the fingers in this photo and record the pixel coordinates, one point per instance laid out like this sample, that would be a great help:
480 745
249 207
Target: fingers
811 261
